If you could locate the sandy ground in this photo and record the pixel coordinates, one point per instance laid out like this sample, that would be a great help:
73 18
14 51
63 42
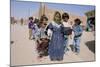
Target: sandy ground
23 50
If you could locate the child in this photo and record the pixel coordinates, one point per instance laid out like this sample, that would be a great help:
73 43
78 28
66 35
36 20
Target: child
67 29
42 41
77 29
56 44
32 28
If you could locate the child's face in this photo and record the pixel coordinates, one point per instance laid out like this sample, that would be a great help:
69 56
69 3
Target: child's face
30 20
44 23
76 23
57 17
66 19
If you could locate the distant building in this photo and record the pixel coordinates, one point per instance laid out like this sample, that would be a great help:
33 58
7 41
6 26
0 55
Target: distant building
44 10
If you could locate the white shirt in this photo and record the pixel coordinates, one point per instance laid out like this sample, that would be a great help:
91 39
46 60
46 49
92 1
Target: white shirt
66 24
50 32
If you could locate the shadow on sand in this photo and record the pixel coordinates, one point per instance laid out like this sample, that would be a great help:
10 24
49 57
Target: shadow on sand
91 45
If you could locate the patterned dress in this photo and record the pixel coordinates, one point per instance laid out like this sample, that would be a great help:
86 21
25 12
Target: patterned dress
56 45
42 42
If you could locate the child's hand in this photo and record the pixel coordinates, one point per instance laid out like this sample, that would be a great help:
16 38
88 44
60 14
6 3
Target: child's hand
49 33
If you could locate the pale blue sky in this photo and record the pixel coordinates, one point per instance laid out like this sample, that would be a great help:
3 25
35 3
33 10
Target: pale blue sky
22 9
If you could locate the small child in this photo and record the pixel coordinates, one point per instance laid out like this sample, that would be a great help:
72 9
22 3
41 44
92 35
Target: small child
77 29
42 41
67 29
32 28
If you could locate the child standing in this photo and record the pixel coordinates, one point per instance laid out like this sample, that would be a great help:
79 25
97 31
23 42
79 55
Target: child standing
32 28
77 29
56 44
42 41
67 29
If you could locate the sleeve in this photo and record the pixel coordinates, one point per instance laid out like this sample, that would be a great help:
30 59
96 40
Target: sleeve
37 34
36 27
62 28
50 26
37 30
80 30
79 33
49 30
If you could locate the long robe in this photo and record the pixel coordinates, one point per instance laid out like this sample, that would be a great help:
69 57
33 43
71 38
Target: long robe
56 45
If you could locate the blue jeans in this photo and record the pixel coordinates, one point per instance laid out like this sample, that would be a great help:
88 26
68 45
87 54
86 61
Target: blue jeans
66 44
76 45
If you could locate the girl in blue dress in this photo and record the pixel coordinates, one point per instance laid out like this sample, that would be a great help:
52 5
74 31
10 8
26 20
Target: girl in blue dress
56 44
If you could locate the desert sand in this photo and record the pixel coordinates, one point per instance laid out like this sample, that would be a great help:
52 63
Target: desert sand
23 50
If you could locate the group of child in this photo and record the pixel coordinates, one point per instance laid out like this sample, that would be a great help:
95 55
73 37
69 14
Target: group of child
52 38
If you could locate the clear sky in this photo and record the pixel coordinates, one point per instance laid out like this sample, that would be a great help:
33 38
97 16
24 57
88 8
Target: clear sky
23 9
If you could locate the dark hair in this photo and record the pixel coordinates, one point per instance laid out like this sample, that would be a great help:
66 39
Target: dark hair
56 14
78 21
43 17
65 15
30 18
41 20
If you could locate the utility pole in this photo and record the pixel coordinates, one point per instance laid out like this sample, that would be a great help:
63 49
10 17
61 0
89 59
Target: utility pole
42 9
